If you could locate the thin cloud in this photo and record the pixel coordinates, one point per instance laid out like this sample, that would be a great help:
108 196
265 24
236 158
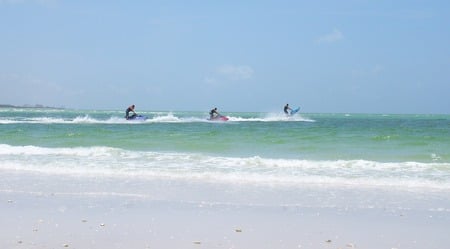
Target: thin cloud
373 71
235 72
229 73
334 36
377 69
210 81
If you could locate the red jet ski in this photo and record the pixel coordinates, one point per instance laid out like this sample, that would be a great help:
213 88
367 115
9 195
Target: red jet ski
219 118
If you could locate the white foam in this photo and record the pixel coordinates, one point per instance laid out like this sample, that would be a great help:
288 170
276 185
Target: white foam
107 162
159 117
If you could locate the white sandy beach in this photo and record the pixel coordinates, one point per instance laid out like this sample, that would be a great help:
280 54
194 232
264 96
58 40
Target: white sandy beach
53 212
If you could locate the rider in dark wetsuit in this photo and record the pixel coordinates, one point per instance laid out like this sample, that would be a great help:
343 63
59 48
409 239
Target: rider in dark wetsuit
212 112
286 108
127 112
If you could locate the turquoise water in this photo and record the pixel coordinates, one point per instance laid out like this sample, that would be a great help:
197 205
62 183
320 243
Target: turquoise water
333 149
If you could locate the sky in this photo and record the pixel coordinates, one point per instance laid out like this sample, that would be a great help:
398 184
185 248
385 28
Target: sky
349 56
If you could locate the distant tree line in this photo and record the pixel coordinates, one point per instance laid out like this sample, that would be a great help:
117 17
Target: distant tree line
29 106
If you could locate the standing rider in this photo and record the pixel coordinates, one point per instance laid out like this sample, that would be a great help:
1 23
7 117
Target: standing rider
127 112
286 108
213 113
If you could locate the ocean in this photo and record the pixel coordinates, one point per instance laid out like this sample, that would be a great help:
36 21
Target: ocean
260 152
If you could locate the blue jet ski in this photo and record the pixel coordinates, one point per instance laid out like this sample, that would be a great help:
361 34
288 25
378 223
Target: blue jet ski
137 118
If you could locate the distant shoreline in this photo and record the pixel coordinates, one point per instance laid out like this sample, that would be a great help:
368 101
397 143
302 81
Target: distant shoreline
29 106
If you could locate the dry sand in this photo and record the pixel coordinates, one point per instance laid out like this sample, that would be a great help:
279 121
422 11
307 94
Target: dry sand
62 221
44 211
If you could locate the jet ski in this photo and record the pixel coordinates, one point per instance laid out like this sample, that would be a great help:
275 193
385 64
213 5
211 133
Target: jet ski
137 118
218 118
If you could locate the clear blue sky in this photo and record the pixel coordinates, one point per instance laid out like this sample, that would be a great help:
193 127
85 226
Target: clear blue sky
325 56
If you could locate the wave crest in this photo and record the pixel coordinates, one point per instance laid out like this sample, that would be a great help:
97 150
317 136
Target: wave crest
114 162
